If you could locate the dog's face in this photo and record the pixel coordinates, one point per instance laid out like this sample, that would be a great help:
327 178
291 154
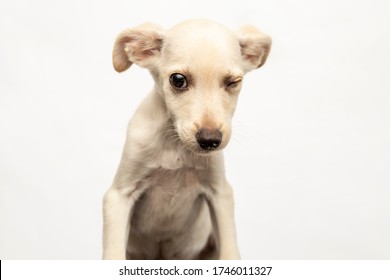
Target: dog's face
198 67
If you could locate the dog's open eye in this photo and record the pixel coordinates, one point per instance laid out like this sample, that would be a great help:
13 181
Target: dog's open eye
178 81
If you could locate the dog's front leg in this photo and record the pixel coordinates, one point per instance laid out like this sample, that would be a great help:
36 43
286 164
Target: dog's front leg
118 204
221 205
116 210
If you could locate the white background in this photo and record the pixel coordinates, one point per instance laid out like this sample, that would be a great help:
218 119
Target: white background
310 155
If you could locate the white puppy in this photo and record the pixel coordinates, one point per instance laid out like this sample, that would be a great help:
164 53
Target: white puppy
170 198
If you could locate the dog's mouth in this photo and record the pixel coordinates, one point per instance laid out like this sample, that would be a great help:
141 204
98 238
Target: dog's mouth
202 152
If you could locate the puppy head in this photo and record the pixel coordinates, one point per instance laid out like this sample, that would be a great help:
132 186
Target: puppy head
198 67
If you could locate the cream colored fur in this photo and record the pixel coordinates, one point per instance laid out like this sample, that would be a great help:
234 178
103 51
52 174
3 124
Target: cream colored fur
170 198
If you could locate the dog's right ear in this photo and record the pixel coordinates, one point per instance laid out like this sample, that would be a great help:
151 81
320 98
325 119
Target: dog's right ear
140 45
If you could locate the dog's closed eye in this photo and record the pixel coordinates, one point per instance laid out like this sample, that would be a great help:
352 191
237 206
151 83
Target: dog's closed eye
232 82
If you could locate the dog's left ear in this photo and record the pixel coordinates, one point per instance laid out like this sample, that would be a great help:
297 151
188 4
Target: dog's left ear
140 45
255 46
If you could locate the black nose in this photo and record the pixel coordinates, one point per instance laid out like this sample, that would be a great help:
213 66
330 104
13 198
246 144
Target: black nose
209 139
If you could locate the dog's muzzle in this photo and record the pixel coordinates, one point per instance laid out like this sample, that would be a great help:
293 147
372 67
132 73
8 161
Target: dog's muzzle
209 139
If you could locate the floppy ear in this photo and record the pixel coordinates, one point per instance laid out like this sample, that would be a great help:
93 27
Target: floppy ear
140 45
255 46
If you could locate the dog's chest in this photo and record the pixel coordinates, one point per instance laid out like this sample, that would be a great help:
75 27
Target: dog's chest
174 175
171 198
